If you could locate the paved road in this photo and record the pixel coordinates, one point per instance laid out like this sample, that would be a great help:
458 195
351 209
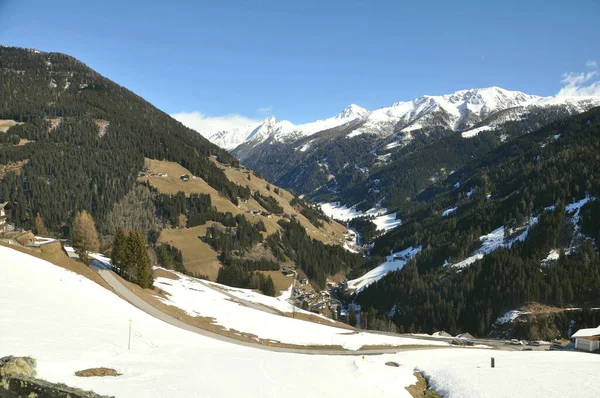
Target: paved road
129 296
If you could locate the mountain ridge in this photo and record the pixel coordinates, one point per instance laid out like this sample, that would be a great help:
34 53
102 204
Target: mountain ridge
458 111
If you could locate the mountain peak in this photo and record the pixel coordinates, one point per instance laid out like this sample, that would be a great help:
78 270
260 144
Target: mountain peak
352 111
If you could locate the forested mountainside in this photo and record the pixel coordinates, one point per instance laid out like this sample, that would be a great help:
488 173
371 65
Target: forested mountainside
73 141
87 139
519 224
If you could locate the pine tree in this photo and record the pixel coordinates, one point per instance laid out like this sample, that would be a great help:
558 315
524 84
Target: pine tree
130 258
119 248
352 317
144 269
84 235
268 287
38 225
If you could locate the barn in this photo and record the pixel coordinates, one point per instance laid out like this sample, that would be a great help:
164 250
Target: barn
587 339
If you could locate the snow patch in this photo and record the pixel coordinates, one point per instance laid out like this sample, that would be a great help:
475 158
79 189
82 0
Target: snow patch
474 132
449 211
394 262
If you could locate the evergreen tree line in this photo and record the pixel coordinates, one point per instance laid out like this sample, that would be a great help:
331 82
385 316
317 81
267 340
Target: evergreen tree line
527 179
169 257
314 215
269 203
315 258
239 239
130 258
262 264
365 227
236 276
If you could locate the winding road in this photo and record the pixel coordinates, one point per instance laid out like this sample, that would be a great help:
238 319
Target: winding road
129 296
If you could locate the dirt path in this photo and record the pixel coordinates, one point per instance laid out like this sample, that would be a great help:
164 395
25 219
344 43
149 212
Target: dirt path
129 296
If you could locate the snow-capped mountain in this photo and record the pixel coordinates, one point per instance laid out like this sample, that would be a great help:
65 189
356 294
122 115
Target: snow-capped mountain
283 130
456 111
459 111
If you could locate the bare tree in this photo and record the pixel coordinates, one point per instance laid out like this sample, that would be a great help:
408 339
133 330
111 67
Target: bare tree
84 235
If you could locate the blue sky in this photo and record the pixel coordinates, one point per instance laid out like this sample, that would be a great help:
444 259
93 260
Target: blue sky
307 60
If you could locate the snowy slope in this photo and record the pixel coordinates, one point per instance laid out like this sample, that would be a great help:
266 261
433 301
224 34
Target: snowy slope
394 262
69 323
196 298
379 216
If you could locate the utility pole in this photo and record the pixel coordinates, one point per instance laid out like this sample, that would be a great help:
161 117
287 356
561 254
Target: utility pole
129 343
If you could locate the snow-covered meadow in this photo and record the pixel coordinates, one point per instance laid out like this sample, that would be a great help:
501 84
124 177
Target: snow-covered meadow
200 298
381 219
69 323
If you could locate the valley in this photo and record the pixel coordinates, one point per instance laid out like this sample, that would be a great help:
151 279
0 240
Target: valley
372 253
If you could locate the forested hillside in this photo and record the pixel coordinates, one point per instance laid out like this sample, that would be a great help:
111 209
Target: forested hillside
488 230
78 142
89 139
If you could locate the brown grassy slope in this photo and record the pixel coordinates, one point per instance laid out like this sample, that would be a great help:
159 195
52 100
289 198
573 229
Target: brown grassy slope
198 256
332 233
173 184
5 124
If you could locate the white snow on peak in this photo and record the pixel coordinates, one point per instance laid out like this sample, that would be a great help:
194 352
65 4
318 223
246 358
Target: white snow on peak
352 112
458 111
461 109
283 130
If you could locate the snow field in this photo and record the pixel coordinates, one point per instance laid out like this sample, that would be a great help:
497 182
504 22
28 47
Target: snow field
196 298
69 323
383 221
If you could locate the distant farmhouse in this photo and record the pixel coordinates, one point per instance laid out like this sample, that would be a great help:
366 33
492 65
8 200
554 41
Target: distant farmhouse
587 339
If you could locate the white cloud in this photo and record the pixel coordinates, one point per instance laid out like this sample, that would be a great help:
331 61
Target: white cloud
581 84
207 125
267 110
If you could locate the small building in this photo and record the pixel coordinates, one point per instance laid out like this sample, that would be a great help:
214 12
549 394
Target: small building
587 339
163 175
184 177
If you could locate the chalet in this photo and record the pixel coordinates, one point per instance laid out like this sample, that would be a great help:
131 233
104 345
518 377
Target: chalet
587 339
184 177
164 175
